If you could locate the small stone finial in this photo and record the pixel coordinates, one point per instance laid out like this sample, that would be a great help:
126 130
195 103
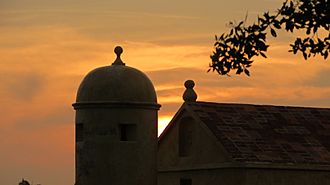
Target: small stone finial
118 50
189 94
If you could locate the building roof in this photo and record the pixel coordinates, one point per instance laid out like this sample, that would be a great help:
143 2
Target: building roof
268 134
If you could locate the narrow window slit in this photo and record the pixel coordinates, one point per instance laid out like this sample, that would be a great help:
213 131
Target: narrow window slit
127 132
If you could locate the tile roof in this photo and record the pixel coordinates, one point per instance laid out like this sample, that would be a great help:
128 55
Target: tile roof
263 133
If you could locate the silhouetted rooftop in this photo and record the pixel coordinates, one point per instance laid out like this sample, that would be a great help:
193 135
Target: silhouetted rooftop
265 133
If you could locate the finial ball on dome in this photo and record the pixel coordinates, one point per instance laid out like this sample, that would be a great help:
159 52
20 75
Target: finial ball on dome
118 50
189 84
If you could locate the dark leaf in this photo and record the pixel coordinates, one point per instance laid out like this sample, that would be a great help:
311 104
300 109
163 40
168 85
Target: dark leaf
305 55
240 24
325 54
277 25
272 31
263 54
239 70
247 72
231 32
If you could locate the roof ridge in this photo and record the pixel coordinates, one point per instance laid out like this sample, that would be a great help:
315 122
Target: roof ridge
248 104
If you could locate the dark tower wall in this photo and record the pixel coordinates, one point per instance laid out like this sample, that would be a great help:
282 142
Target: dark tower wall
116 146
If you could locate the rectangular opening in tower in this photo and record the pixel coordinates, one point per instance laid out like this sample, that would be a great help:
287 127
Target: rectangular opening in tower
127 132
185 181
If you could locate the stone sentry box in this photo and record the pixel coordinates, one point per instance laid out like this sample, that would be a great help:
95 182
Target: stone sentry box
116 127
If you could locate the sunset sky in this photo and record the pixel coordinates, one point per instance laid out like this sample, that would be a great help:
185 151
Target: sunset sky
47 46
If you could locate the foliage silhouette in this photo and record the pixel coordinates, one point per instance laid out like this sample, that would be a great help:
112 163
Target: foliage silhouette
235 50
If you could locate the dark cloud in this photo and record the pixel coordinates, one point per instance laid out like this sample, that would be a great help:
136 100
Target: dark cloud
317 102
60 116
169 109
321 79
21 85
173 75
145 20
169 92
110 25
177 76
